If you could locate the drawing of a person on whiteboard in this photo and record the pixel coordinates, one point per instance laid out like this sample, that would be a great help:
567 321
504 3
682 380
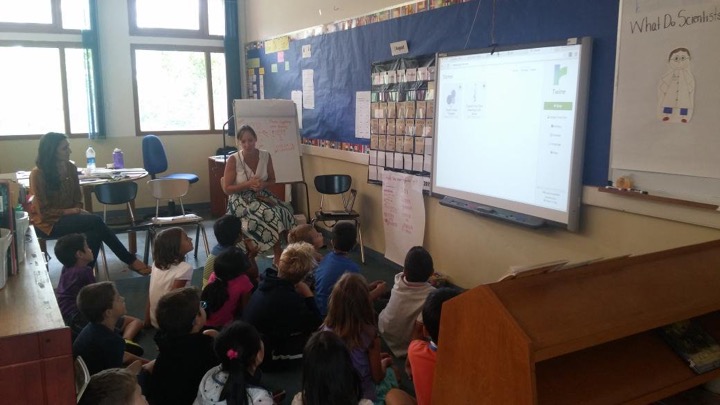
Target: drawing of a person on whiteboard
676 89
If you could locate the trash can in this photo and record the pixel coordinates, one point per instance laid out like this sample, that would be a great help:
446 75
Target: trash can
22 222
5 240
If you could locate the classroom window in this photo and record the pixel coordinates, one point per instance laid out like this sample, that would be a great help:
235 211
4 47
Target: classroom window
177 18
44 15
27 11
179 90
47 88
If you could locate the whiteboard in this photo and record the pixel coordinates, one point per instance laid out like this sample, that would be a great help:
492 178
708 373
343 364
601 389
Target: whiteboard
665 150
275 123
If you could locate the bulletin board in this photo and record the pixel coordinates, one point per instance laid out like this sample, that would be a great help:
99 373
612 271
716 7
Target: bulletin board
665 116
341 61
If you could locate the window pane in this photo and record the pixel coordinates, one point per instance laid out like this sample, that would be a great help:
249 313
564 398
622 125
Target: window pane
30 81
177 14
77 82
172 90
216 17
26 11
75 14
220 106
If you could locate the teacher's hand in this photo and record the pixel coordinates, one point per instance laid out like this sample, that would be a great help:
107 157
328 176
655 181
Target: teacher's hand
255 184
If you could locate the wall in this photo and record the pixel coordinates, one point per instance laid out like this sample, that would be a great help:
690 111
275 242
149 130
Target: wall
471 249
264 21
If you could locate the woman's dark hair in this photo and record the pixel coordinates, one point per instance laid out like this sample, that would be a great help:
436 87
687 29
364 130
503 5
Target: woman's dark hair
237 346
328 373
245 128
47 158
166 248
229 264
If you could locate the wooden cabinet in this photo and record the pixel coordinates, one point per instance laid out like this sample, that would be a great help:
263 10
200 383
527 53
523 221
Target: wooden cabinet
36 363
585 335
218 199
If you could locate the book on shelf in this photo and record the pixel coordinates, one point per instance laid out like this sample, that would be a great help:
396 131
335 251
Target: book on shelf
694 344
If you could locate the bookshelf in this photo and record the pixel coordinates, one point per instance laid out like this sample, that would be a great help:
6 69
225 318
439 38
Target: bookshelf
585 335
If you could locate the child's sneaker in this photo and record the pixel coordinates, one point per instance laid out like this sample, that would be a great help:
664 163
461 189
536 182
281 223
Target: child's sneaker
133 348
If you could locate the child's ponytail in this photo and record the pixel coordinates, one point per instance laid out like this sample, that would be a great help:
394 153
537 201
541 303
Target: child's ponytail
237 347
229 264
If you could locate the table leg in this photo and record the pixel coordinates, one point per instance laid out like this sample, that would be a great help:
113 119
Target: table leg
87 191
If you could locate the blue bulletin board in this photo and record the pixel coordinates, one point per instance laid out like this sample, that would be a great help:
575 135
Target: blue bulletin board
341 61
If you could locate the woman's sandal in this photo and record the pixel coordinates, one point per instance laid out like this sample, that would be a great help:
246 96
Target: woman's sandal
141 269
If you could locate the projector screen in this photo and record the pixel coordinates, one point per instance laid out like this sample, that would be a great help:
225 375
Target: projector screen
510 130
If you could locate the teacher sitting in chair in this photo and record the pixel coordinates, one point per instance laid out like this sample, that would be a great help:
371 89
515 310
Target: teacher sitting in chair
247 173
57 207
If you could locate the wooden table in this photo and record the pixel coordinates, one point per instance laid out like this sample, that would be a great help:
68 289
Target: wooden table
36 363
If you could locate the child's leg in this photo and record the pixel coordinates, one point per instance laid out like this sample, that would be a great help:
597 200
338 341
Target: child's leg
131 327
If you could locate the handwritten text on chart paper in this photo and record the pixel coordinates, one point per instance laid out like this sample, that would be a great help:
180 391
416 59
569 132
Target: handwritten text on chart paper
403 213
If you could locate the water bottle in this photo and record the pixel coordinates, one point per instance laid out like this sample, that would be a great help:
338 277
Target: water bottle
118 159
90 156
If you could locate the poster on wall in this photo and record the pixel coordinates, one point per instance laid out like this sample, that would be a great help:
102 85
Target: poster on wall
665 116
403 213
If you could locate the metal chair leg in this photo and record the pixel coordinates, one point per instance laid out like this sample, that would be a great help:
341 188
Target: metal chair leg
148 241
205 239
197 238
105 264
362 246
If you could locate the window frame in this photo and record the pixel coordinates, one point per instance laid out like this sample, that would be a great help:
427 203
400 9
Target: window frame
55 27
61 46
207 50
201 33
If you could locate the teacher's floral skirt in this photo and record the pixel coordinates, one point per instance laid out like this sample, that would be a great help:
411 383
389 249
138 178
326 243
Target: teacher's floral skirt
265 220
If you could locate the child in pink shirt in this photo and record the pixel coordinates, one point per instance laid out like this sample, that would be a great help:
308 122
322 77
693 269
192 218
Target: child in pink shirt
229 288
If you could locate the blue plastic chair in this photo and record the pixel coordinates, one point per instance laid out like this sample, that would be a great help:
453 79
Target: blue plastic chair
155 162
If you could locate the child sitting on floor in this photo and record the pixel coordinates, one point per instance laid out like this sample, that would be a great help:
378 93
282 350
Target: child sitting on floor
74 253
98 344
351 316
229 290
170 270
422 354
307 233
396 322
283 308
113 386
228 233
336 263
328 373
184 352
237 379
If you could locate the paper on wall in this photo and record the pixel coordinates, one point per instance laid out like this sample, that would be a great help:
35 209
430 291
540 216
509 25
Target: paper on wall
362 114
308 89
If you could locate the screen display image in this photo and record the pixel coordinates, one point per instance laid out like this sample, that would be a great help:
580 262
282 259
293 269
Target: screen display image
510 128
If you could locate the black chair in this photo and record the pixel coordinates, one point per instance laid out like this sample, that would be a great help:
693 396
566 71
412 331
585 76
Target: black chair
338 185
116 194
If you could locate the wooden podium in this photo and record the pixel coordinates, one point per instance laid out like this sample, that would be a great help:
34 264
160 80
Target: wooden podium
583 335
36 362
